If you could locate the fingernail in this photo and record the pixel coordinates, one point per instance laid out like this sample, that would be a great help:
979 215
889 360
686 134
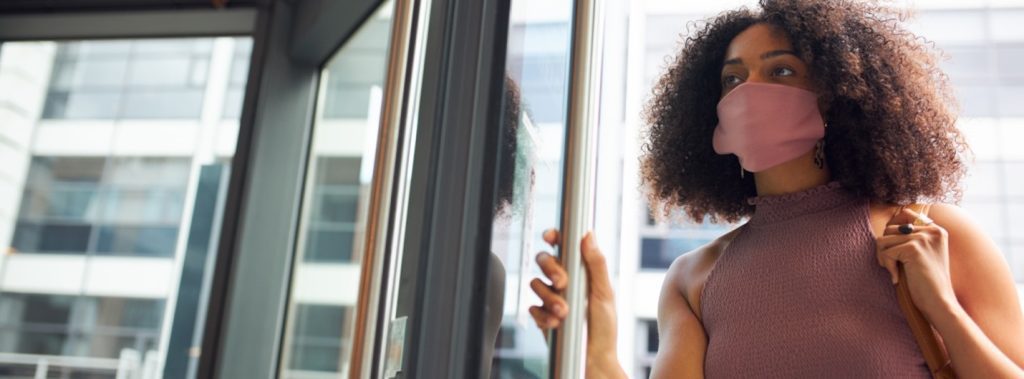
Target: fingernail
558 309
555 278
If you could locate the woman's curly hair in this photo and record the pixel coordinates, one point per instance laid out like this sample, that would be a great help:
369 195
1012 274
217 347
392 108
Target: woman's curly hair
891 115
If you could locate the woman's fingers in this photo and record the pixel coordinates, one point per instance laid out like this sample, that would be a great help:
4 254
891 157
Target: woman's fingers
543 318
553 302
891 265
552 237
553 270
904 216
597 269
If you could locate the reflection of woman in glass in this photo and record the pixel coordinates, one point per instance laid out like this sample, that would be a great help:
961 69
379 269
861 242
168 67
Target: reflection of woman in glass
842 116
511 210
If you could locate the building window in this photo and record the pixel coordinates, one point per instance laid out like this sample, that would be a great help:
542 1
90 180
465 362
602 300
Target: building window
658 253
317 337
652 336
332 224
98 327
646 346
118 206
128 79
506 337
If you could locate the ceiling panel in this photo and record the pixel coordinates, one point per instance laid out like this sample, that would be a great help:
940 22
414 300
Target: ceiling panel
47 6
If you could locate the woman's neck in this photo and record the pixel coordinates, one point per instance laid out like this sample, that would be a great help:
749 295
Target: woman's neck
796 175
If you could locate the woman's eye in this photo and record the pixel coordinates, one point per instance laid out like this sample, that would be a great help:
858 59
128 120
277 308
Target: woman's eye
729 80
784 71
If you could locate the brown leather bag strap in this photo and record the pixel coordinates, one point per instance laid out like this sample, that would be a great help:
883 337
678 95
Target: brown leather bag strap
934 351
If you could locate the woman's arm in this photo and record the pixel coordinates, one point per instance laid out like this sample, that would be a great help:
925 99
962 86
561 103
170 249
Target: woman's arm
961 283
681 338
983 327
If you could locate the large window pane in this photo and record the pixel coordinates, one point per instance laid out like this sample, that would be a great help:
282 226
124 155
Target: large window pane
529 183
328 259
109 215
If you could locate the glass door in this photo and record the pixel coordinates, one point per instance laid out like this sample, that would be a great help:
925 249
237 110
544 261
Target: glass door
492 136
331 264
529 186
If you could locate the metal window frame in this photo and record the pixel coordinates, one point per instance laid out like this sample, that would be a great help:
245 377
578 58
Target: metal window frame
128 24
281 104
447 232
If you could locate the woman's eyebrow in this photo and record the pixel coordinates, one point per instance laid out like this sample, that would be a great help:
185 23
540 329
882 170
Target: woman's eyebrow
775 53
770 54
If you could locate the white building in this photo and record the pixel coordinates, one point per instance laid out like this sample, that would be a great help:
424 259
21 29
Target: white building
116 155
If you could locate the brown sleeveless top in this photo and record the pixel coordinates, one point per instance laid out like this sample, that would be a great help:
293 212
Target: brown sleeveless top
798 293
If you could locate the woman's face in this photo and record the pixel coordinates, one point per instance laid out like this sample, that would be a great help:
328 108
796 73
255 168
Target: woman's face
763 54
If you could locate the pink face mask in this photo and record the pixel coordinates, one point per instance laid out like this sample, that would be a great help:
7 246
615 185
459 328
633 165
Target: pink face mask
767 124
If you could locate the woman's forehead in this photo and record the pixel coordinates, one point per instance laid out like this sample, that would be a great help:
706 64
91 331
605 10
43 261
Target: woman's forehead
756 40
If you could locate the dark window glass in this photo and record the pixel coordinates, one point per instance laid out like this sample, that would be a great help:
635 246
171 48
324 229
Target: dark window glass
43 343
34 237
130 313
337 204
658 253
317 337
157 241
124 206
331 228
506 338
652 336
338 171
45 171
110 345
78 326
63 201
329 244
143 206
46 309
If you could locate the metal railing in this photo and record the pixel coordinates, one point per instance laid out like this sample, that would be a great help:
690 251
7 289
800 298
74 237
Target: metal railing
130 365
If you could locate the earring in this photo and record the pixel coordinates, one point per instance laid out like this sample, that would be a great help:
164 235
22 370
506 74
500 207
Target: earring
819 152
741 172
819 155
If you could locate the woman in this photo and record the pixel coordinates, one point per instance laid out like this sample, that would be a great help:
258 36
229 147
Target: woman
842 116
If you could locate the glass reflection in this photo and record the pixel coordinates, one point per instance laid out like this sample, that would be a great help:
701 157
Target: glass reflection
321 319
530 177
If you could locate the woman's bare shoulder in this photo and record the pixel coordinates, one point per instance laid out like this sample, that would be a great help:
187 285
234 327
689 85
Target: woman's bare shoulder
690 271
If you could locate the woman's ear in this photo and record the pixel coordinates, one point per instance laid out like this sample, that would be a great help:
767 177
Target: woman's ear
824 104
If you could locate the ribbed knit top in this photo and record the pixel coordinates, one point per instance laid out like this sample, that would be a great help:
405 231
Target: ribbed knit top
798 293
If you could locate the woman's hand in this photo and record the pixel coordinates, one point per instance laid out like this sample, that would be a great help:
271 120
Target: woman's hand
602 359
924 254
